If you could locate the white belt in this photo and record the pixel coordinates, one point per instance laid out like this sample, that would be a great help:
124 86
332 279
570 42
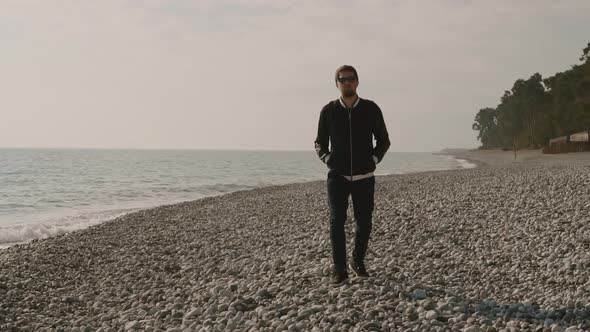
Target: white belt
357 177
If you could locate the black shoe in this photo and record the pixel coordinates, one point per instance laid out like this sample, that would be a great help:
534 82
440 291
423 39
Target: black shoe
339 278
359 270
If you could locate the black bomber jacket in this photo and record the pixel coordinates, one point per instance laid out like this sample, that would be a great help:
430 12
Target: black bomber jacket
350 133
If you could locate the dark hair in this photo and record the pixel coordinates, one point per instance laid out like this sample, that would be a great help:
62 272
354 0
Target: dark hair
346 68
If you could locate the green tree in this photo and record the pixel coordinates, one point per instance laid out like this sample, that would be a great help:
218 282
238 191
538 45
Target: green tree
585 54
530 96
486 123
538 109
510 121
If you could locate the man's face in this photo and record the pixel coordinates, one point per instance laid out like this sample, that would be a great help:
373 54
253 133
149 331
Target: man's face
347 83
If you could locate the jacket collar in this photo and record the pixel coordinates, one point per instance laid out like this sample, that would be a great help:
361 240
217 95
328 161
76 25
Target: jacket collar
356 102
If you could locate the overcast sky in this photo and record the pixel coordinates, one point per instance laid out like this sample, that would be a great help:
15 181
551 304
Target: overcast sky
254 74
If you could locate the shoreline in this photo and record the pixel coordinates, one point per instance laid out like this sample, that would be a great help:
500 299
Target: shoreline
6 245
473 161
489 158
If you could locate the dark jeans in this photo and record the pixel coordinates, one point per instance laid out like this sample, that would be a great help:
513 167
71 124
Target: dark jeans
362 191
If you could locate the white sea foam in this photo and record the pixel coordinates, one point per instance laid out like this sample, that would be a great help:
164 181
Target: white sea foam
465 164
462 163
24 232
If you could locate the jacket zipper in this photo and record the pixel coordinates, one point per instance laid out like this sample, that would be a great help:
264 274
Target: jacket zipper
350 132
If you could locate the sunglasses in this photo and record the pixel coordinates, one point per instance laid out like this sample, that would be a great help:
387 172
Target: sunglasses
350 79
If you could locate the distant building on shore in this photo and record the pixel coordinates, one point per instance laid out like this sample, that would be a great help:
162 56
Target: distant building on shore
577 142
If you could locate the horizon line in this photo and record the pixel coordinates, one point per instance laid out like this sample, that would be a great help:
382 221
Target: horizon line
188 149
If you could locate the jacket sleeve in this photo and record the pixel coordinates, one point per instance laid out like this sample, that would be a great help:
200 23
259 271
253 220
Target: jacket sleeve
381 135
323 138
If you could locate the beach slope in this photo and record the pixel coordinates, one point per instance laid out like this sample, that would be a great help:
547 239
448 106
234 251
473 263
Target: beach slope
483 249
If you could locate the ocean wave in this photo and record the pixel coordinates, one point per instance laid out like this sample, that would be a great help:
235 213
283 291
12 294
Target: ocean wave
24 232
465 164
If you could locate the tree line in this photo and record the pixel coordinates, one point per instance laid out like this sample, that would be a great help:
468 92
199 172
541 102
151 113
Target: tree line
538 109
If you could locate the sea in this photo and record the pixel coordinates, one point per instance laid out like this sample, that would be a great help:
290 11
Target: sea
46 192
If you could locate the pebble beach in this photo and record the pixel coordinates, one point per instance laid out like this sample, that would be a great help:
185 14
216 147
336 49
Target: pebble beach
504 246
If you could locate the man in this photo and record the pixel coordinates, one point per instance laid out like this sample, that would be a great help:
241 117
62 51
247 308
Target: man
348 124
